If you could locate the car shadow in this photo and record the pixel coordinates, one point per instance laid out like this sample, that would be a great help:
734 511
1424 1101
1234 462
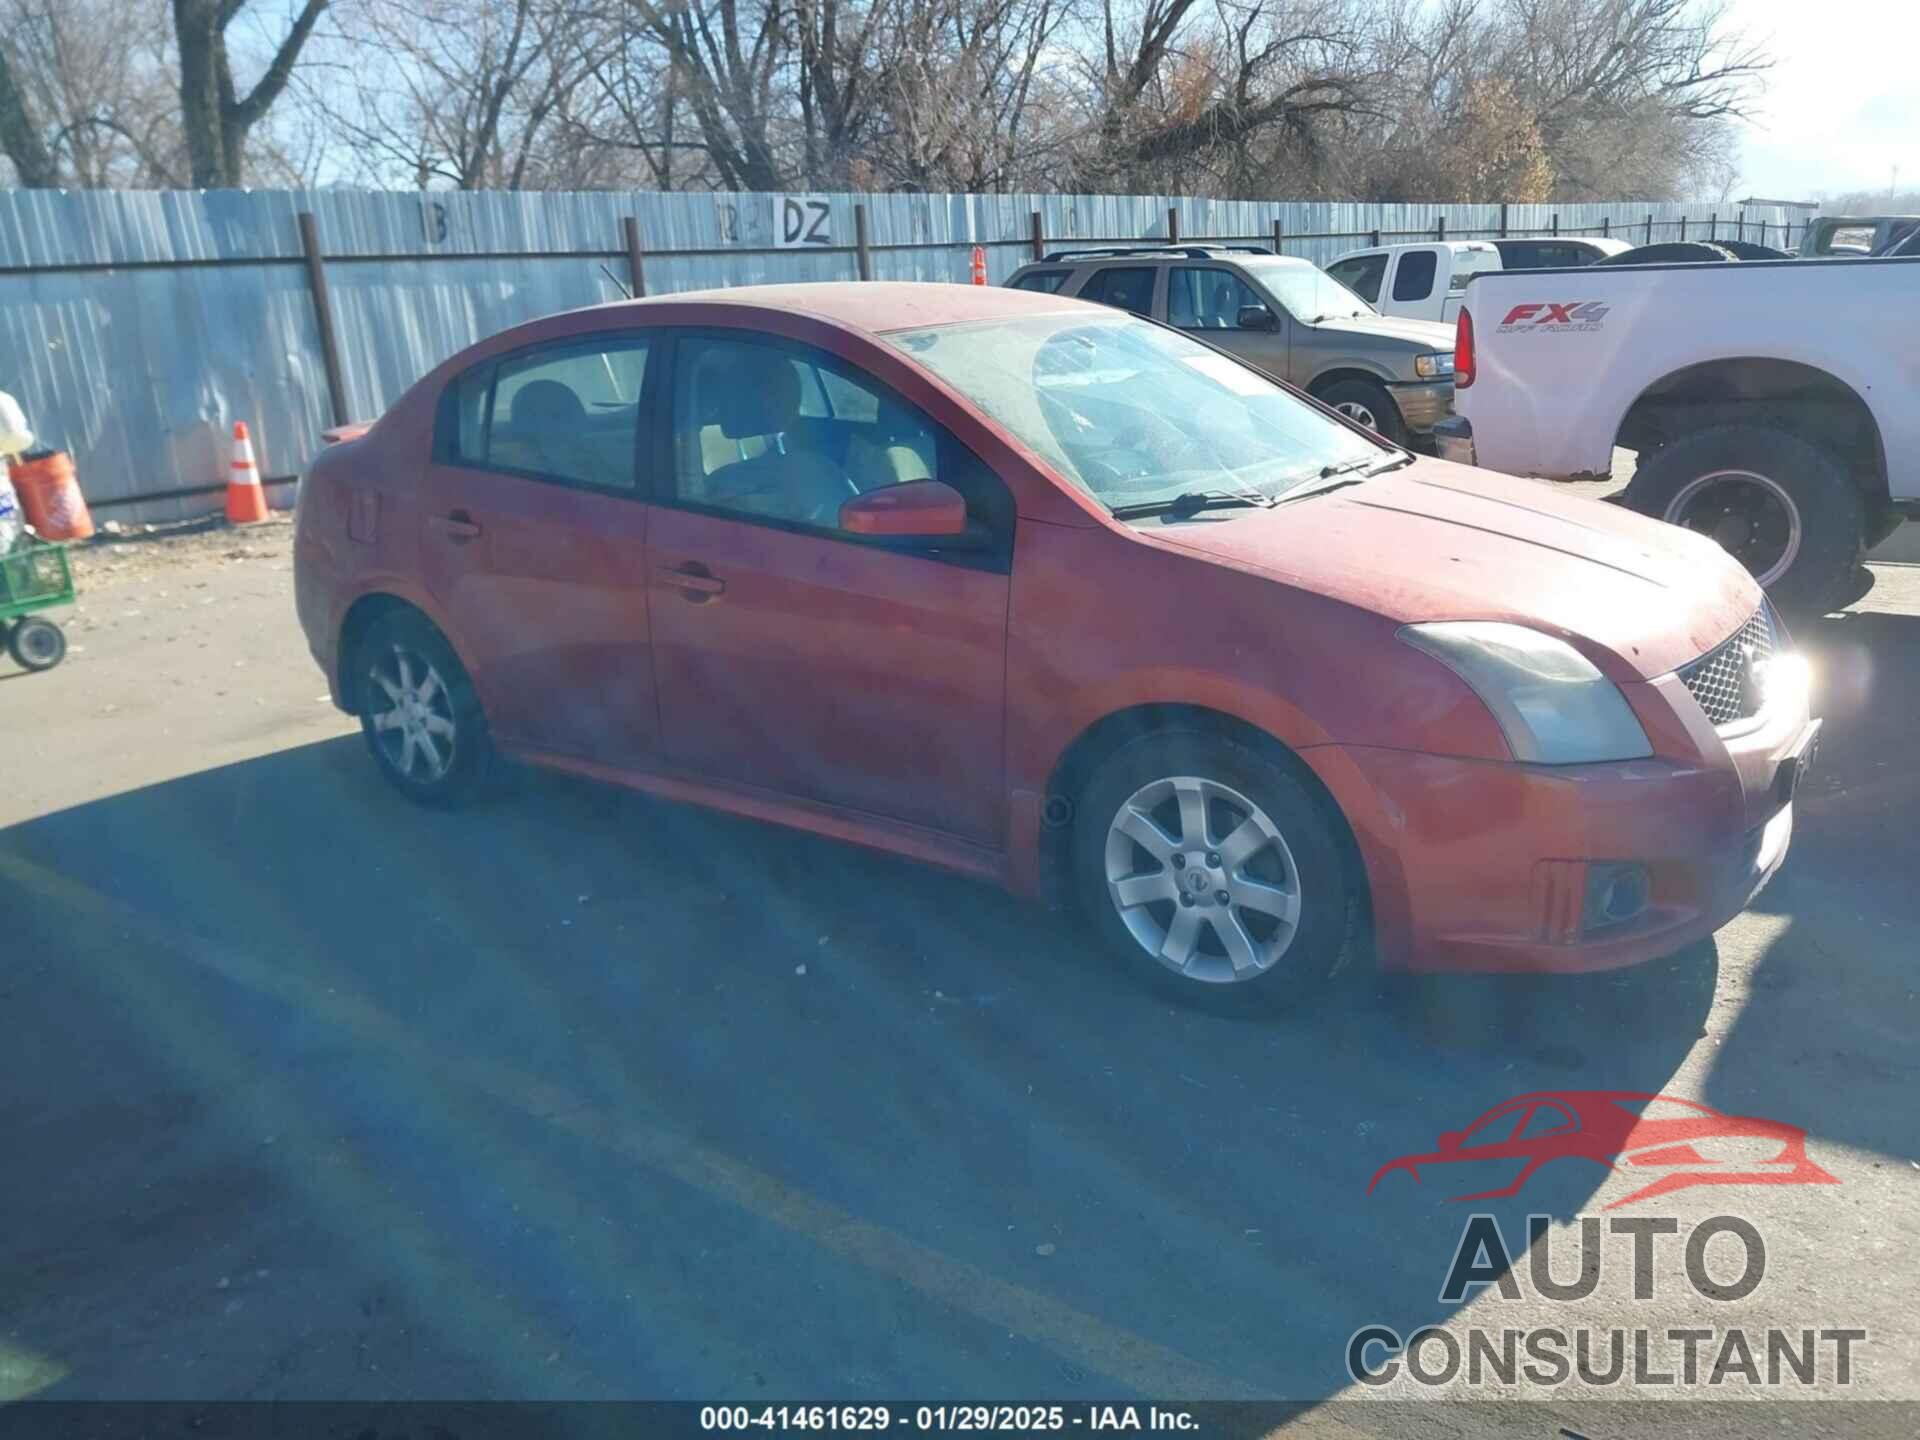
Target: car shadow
578 1094
1830 1009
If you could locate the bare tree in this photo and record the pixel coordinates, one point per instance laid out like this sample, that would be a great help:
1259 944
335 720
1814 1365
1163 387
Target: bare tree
214 115
85 94
457 92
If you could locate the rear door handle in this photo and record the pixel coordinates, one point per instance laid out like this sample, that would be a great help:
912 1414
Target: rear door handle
458 526
694 581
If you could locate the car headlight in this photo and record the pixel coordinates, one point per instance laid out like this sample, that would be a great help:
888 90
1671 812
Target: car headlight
1433 367
1554 707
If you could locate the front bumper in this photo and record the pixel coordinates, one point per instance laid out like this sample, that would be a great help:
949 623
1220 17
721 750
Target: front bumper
1453 440
1423 403
1478 865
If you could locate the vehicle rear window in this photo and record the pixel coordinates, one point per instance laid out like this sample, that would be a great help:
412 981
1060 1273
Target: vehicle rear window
1414 279
1467 264
1047 282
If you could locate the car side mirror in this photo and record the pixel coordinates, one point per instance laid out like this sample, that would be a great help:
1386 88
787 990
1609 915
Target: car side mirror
913 510
1449 1141
1257 317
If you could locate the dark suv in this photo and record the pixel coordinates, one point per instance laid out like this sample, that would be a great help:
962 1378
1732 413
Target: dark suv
1283 315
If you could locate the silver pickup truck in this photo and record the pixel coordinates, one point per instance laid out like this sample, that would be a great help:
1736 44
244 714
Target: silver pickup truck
1282 315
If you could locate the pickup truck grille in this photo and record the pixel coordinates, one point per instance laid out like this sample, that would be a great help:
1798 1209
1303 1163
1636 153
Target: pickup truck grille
1723 681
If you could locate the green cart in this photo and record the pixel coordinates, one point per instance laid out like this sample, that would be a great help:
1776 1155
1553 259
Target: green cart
34 577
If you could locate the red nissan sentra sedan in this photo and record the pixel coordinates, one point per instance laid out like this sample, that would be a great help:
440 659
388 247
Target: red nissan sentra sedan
1049 594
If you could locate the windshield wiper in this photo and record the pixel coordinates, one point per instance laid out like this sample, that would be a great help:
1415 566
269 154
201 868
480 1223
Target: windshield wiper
1335 477
1192 502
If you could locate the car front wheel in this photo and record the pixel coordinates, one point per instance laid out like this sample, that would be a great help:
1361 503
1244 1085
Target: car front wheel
1213 870
419 713
1368 404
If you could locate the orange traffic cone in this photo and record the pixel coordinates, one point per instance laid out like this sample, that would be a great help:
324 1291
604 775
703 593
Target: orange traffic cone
979 264
246 498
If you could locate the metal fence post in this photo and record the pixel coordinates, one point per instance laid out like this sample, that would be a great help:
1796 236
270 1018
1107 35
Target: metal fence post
1606 225
1649 229
1556 222
1440 227
1279 233
1173 226
1503 219
862 254
323 312
1741 229
1373 238
1039 237
636 257
1713 226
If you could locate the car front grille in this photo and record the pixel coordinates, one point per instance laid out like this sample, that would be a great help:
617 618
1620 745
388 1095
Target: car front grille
1723 680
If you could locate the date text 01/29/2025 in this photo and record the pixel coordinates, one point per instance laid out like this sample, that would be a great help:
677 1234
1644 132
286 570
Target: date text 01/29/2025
1003 1419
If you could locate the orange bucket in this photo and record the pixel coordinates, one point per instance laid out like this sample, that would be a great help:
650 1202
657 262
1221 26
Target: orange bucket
51 497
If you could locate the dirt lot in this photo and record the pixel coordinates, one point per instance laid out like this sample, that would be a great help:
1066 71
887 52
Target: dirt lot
309 1093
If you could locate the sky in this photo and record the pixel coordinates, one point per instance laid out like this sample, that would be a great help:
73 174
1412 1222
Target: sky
1841 108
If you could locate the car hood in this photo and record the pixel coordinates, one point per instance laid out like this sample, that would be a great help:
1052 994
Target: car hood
1436 541
1427 334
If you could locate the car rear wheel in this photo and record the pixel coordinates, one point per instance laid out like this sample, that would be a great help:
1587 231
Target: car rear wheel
1778 504
1210 867
419 713
1367 404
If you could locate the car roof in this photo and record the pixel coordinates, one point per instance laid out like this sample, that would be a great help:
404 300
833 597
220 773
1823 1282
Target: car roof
875 306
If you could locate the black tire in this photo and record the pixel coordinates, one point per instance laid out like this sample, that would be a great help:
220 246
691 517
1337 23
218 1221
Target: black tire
1373 399
450 713
1314 847
1811 488
37 644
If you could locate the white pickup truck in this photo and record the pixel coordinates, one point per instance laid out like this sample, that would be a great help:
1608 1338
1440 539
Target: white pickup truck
1774 405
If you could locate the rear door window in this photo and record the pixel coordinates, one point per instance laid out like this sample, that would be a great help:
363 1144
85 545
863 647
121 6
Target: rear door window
568 412
1125 287
1413 280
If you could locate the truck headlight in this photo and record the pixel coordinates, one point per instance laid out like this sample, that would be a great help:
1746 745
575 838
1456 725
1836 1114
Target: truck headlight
1433 367
1553 706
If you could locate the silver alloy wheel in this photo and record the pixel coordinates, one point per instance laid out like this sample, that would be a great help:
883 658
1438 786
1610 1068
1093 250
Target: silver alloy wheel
1752 517
1359 413
415 730
1202 879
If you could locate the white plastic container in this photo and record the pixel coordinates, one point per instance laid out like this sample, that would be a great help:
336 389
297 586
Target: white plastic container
11 522
16 436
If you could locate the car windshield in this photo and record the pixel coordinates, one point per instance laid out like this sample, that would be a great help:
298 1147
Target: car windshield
1132 413
1309 295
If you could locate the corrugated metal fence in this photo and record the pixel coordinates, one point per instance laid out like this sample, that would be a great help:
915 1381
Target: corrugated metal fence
135 328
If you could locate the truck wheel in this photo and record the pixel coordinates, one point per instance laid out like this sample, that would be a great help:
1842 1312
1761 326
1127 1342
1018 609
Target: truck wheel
1369 405
1781 506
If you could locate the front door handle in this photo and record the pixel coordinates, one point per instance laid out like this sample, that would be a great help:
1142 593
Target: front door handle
458 526
694 581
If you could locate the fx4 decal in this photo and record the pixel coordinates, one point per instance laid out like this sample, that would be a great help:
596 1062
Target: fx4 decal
1573 316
